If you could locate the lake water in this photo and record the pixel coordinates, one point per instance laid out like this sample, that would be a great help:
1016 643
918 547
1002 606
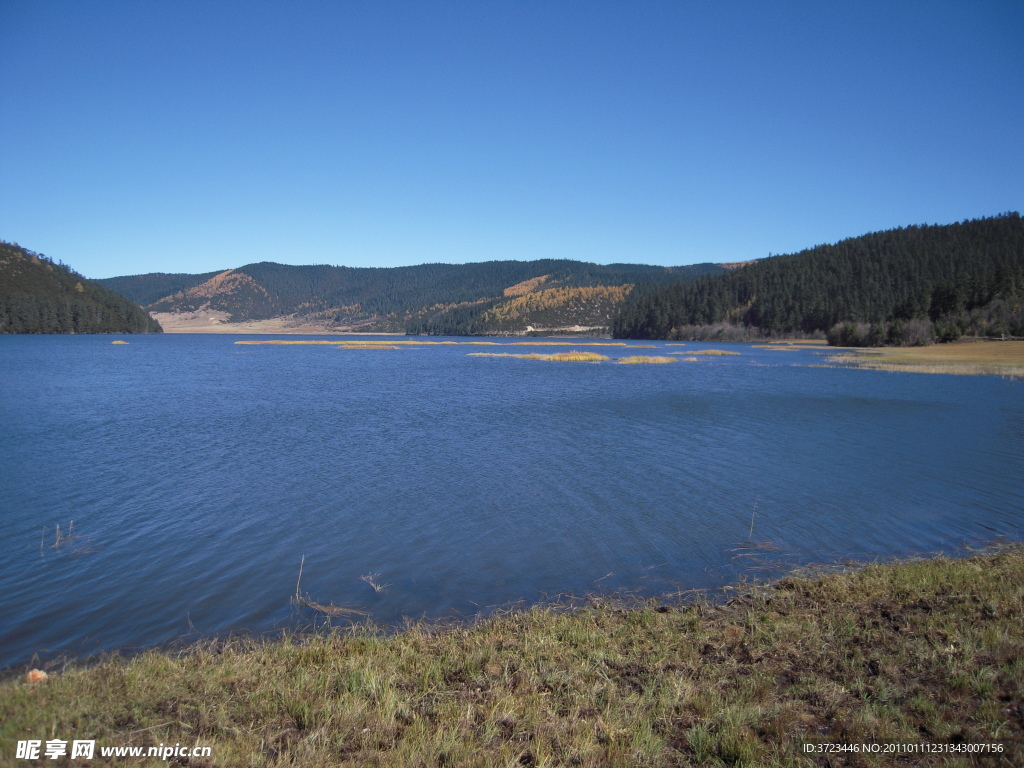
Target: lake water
199 472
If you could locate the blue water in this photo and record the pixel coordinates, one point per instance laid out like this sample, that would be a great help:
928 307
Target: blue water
199 472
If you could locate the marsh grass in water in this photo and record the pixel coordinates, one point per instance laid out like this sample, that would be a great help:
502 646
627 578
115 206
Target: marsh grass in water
925 651
712 352
999 358
645 360
568 344
367 346
558 357
341 342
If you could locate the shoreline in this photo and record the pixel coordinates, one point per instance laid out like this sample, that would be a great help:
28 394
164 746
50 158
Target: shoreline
925 650
972 358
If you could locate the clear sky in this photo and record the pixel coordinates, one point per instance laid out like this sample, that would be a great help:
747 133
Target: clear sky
194 136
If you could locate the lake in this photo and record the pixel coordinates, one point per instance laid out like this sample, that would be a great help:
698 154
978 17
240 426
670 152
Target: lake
199 472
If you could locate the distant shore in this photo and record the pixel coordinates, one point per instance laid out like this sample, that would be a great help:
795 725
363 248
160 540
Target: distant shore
213 321
924 656
967 357
993 358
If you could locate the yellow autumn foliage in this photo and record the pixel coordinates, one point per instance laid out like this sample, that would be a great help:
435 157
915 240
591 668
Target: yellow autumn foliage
553 298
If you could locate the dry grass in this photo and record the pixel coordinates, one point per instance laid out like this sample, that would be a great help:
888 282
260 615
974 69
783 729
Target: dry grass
373 579
118 341
357 343
1000 358
558 357
920 652
645 360
575 356
367 346
568 344
712 352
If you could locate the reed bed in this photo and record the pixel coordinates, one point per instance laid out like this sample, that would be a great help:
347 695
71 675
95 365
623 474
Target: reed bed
645 360
559 357
713 352
993 358
951 369
568 344
922 652
342 342
366 346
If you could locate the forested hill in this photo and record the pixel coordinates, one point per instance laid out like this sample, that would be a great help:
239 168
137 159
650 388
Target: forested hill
903 286
39 296
146 289
481 298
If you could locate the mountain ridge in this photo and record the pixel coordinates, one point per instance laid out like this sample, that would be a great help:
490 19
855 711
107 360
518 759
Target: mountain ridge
480 298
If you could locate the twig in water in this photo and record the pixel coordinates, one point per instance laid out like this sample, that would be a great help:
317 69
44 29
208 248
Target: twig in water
330 609
751 534
297 583
371 579
62 538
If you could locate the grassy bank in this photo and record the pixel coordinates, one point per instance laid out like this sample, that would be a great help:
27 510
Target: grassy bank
999 358
919 652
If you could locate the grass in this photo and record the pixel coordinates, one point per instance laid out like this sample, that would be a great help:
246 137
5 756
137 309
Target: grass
359 343
367 346
917 652
1000 358
568 343
712 352
373 579
574 356
645 360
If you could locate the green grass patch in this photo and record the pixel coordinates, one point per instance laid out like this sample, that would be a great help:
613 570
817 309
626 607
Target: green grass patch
916 652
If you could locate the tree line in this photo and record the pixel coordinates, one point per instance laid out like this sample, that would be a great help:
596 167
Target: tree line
910 285
38 295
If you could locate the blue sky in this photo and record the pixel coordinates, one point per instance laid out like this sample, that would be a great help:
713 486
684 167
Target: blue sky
193 136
